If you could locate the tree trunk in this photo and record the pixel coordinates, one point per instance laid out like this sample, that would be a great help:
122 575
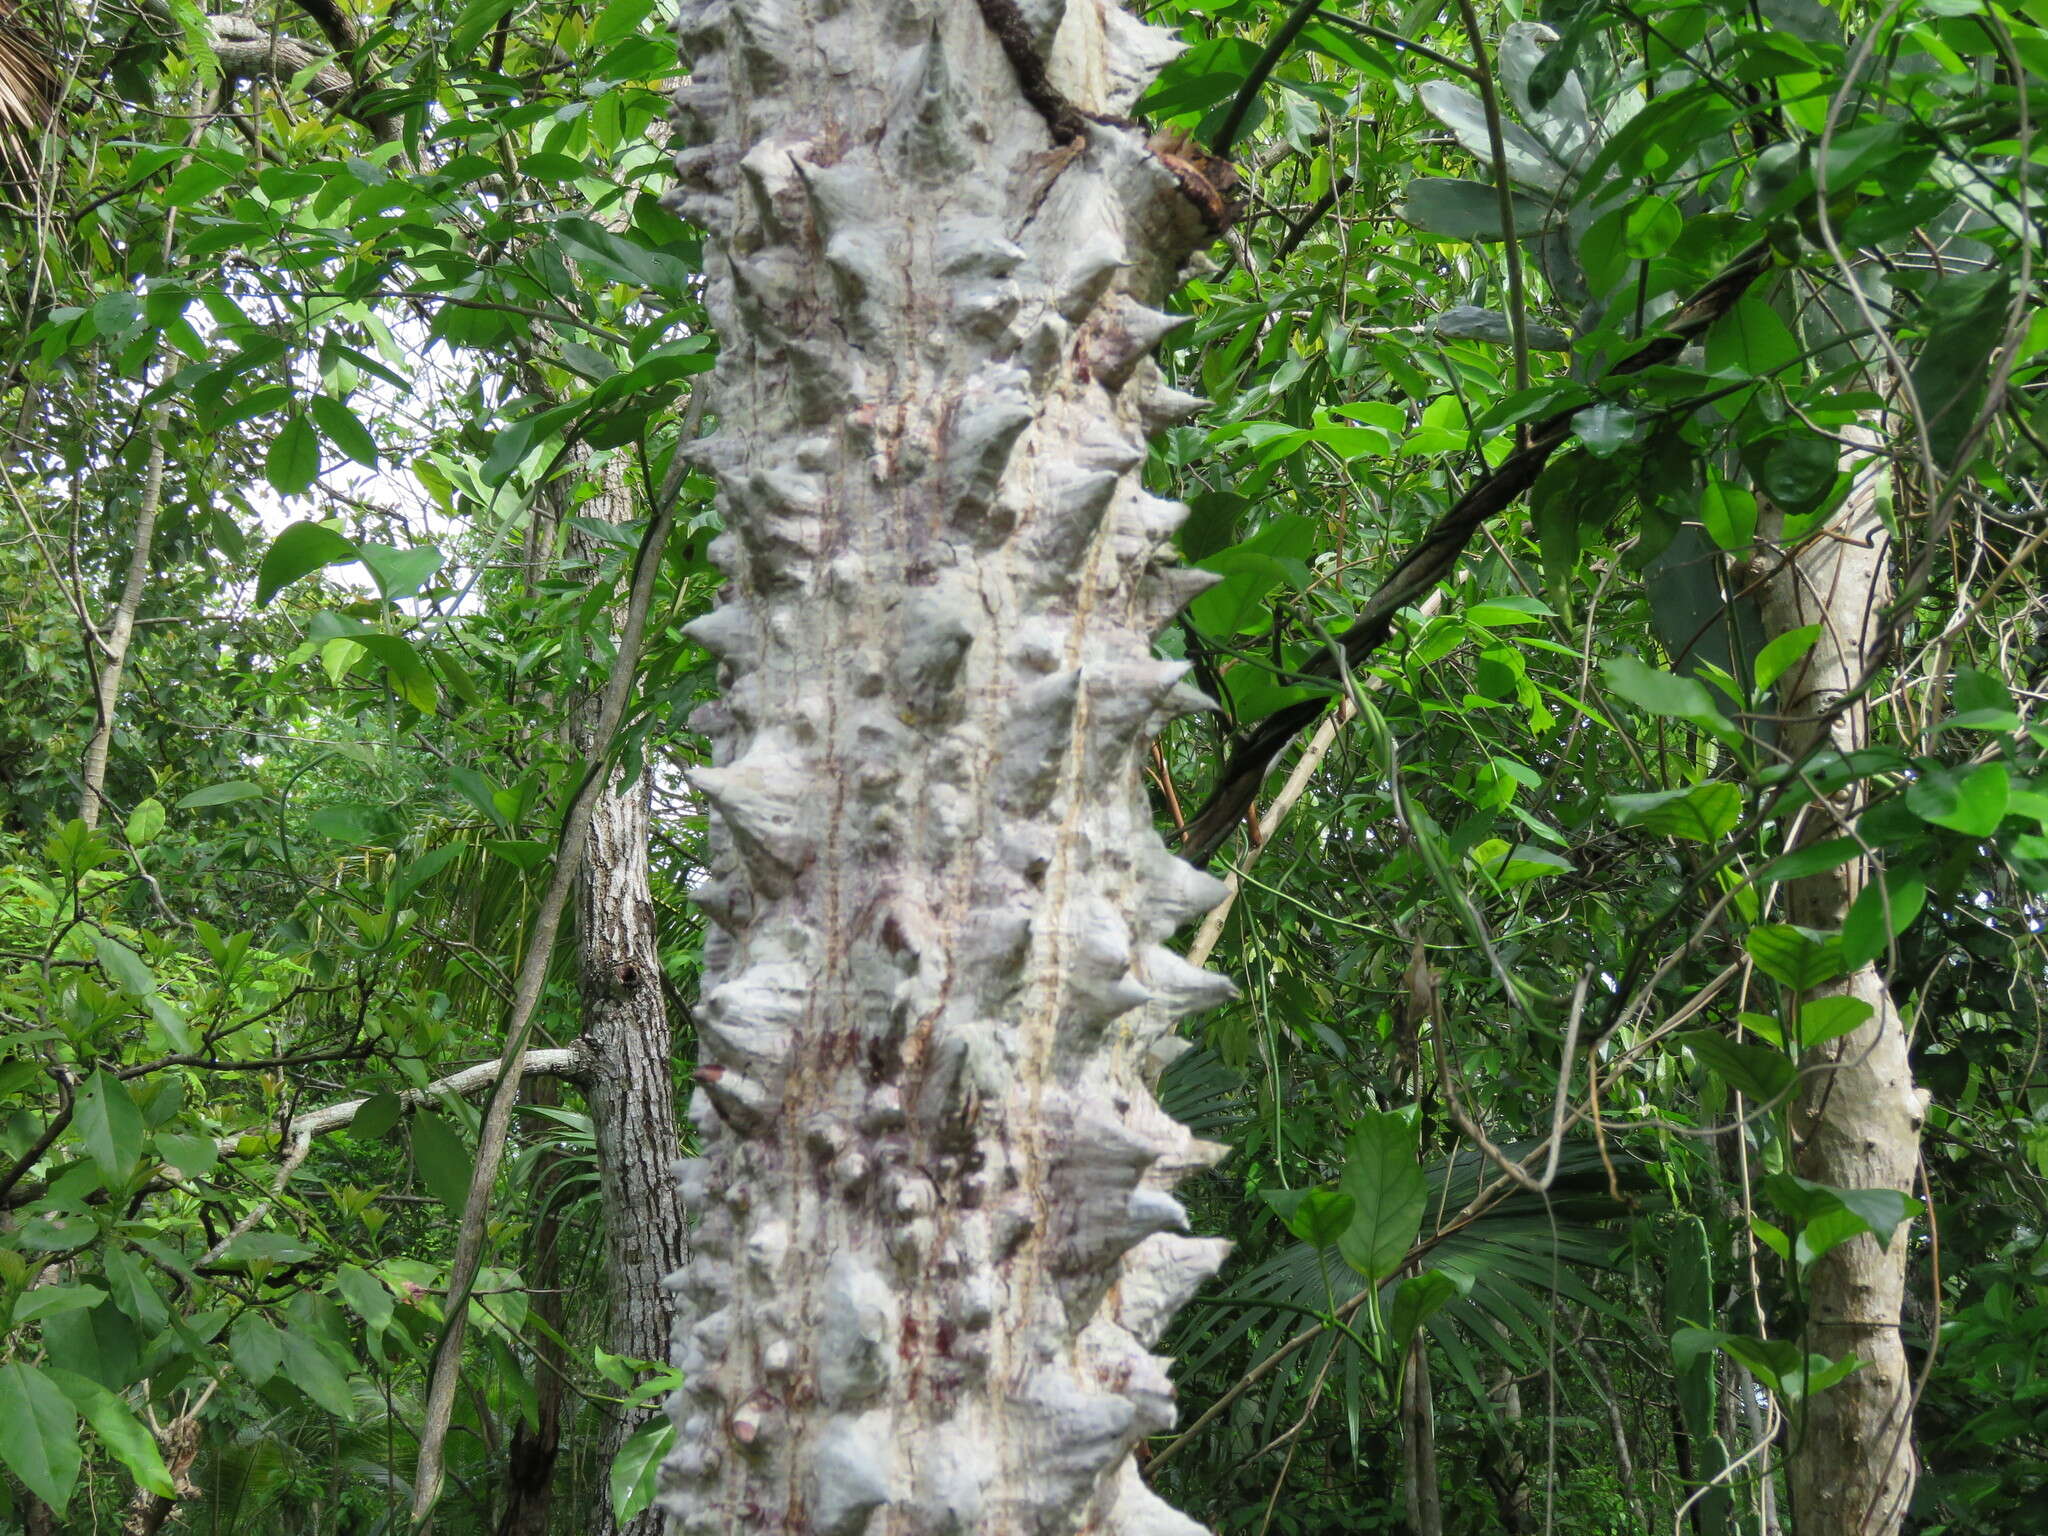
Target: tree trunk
1856 1116
110 651
631 1087
934 1228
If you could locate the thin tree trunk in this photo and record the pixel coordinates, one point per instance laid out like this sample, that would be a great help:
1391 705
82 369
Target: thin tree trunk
1418 1445
1856 1116
112 647
631 1087
935 1230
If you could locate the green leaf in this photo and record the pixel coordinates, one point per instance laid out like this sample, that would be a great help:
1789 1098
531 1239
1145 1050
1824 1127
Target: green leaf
1750 339
365 1294
220 794
256 1347
193 1156
313 1371
1972 804
636 1470
1800 469
132 1290
443 1162
1419 1298
342 428
1388 1192
110 1126
379 1113
621 18
38 1434
1755 1071
1982 703
1316 1216
1728 513
1884 909
293 462
302 548
1822 1019
1813 859
1702 813
144 823
1666 693
119 1430
400 572
49 1300
1467 210
1795 957
1964 316
1777 657
124 965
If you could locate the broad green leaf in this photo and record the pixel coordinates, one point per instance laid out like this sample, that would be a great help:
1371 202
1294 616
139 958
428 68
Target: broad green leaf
193 1156
1971 803
1666 693
1419 1298
1884 909
133 1291
1822 1019
1317 1216
1777 657
1795 957
1757 1072
38 1433
1728 513
256 1347
342 428
619 19
313 1371
49 1300
1982 703
444 1163
1702 813
1467 210
302 548
120 1431
365 1294
1388 1192
144 823
1750 339
220 794
379 1113
1813 859
636 1470
110 1126
400 572
292 463
124 965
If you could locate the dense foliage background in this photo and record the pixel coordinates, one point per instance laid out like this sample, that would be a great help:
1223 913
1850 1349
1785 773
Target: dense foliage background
347 352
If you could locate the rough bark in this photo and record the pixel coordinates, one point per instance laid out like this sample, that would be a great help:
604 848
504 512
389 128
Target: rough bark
935 1233
1856 1116
631 1084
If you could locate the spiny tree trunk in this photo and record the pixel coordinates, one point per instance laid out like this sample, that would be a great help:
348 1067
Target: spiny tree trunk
1856 1117
935 1233
631 1087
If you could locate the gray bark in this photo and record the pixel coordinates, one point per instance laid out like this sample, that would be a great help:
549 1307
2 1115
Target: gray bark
1856 1117
935 1235
630 1086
